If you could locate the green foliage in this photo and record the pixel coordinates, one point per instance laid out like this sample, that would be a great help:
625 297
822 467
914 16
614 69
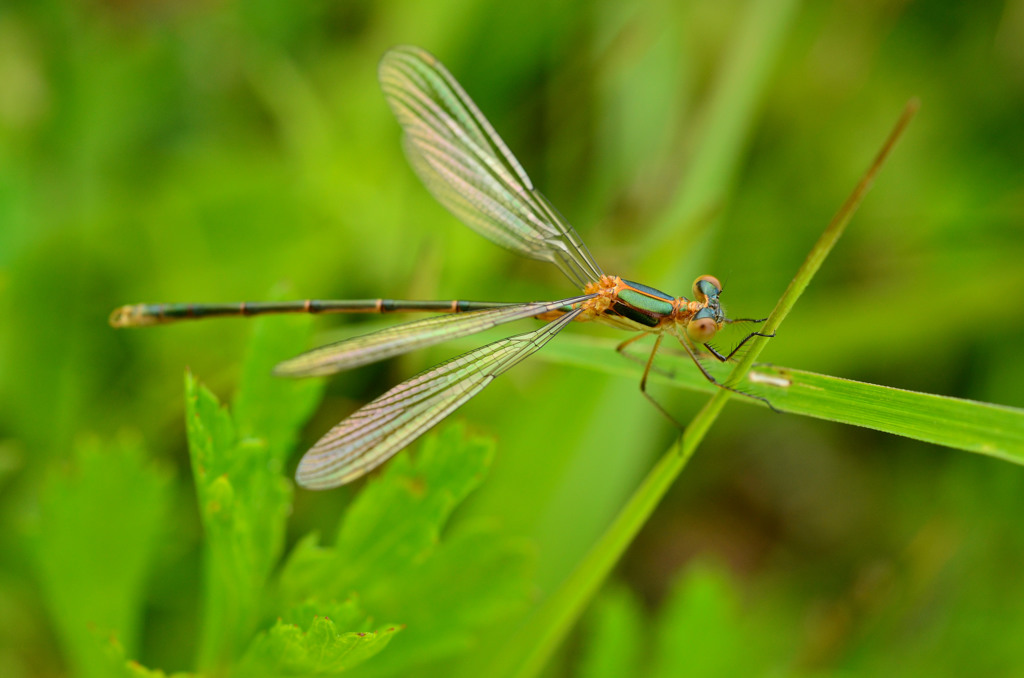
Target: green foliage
701 632
244 499
393 555
702 629
710 624
389 549
94 555
614 635
319 649
207 151
998 432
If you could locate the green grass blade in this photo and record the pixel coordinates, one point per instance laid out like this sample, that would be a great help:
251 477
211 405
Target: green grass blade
823 246
985 428
545 631
550 625
994 430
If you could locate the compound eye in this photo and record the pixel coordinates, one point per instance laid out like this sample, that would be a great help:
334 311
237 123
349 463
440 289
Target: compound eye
706 286
701 330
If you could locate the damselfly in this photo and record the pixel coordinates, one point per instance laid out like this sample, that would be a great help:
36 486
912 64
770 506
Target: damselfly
469 170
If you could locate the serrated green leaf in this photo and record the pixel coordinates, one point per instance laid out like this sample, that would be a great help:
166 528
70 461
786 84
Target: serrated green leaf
99 524
211 433
392 551
396 520
346 614
244 500
320 648
236 555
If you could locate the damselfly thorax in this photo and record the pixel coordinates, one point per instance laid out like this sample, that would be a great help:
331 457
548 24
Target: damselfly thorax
636 307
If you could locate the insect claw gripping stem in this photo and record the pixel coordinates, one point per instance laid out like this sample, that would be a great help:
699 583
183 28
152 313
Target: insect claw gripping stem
727 358
709 377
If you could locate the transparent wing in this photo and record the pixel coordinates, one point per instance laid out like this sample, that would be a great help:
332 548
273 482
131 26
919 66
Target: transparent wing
375 432
468 168
392 341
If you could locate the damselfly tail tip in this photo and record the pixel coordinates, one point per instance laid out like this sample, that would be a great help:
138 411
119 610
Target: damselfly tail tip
131 316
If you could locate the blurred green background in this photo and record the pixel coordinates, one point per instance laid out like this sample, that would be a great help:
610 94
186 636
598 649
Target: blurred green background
212 151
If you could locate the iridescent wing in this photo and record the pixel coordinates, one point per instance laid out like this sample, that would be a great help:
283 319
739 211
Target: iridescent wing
392 341
468 168
375 432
